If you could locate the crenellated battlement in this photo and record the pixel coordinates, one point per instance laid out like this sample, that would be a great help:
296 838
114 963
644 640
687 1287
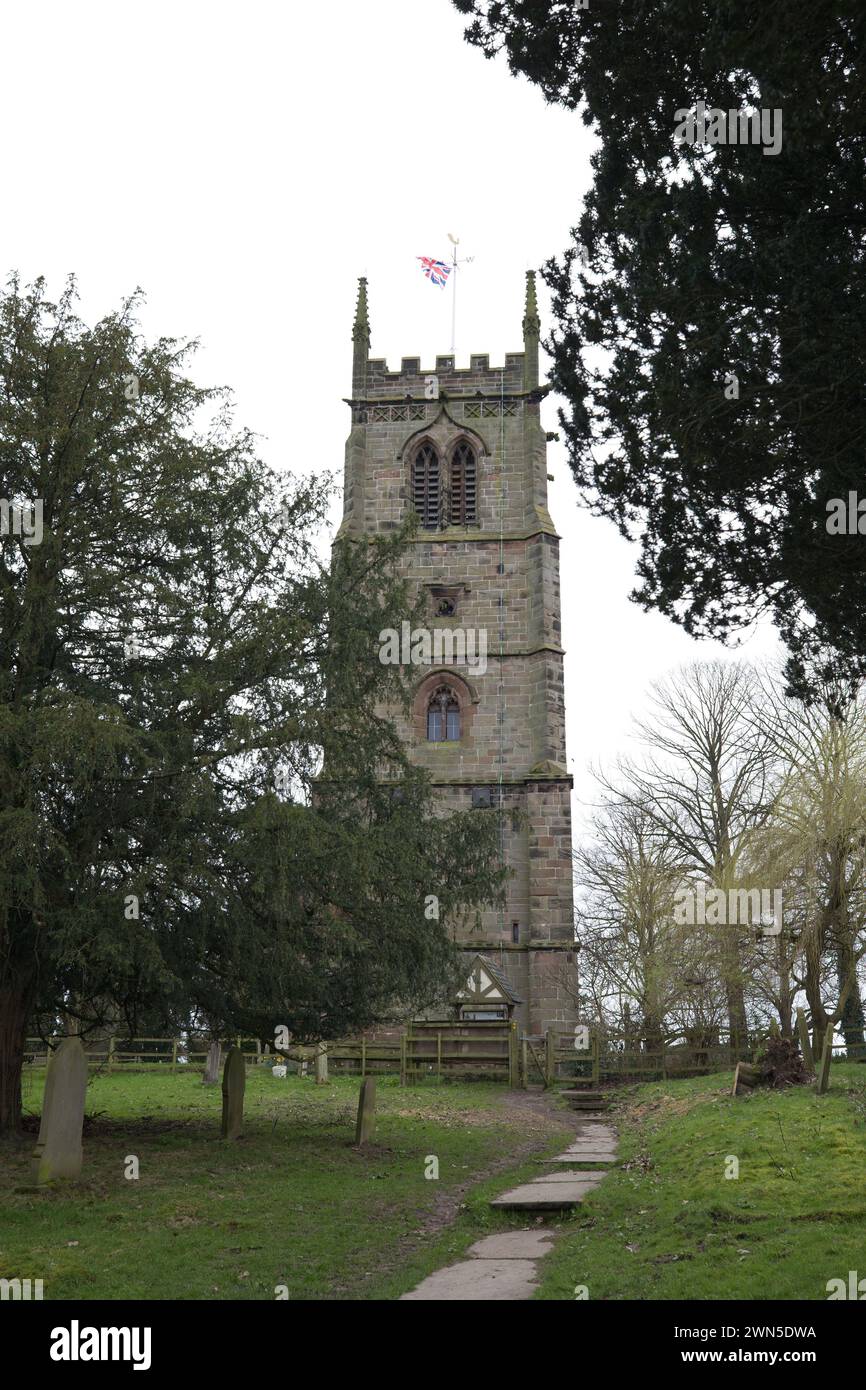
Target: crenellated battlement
412 379
373 381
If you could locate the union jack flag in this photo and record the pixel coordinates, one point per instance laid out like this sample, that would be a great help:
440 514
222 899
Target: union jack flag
437 272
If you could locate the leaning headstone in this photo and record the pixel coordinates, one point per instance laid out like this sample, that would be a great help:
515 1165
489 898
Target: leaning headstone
322 1064
745 1077
58 1152
366 1126
212 1065
234 1083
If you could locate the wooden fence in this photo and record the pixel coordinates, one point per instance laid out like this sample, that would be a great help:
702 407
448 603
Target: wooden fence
142 1054
492 1051
424 1049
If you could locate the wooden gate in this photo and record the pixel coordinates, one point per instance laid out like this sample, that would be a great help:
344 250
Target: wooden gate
461 1049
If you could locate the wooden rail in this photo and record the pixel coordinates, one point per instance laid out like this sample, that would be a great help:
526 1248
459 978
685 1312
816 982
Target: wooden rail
494 1050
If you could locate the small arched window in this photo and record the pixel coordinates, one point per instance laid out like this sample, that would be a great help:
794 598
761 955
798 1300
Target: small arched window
443 716
463 485
425 487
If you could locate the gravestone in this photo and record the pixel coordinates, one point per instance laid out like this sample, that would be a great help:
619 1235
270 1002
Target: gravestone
745 1077
322 1064
212 1065
234 1083
366 1126
58 1152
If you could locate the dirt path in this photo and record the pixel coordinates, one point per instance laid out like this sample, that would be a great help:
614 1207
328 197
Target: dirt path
539 1122
503 1267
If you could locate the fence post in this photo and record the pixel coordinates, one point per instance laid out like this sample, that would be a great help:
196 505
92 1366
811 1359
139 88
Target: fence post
550 1058
439 1053
174 1054
596 1059
513 1070
403 1077
823 1078
363 1057
524 1061
111 1052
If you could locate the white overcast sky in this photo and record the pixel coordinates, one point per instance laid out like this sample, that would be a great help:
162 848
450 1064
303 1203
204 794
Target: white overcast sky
244 163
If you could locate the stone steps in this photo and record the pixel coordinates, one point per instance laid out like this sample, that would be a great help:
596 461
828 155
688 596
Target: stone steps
503 1267
585 1099
553 1192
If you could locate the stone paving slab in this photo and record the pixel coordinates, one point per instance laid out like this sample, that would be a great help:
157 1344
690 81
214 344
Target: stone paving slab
586 1176
570 1157
591 1148
474 1280
608 1149
513 1245
543 1196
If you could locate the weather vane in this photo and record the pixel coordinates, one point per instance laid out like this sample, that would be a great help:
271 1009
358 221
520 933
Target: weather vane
437 273
455 242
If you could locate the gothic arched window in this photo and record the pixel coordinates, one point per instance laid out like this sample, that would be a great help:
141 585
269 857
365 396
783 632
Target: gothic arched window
443 716
425 486
463 485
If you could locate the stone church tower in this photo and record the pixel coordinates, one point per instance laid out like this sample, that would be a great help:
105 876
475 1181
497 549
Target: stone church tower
465 449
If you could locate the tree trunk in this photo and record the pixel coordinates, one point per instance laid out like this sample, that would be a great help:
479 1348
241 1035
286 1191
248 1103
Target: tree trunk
737 1020
787 992
812 986
15 1005
852 1022
732 976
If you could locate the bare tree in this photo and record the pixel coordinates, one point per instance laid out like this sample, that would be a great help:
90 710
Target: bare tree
816 841
704 785
628 942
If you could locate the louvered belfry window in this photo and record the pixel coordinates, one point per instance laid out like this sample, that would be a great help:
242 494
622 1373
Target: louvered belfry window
425 487
463 486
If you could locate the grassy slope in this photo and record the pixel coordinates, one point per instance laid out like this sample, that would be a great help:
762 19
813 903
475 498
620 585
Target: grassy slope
291 1203
795 1217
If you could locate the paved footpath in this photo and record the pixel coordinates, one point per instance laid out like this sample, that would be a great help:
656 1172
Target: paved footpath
503 1267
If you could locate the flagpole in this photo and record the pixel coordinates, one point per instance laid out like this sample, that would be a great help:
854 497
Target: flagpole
453 300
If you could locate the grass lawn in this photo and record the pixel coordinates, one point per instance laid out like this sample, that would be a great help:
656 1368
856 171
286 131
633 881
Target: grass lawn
669 1224
292 1203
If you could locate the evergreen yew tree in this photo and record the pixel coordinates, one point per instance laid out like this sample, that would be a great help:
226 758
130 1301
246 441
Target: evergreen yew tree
711 307
197 796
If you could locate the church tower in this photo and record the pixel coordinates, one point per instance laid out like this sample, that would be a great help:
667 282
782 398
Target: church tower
465 450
